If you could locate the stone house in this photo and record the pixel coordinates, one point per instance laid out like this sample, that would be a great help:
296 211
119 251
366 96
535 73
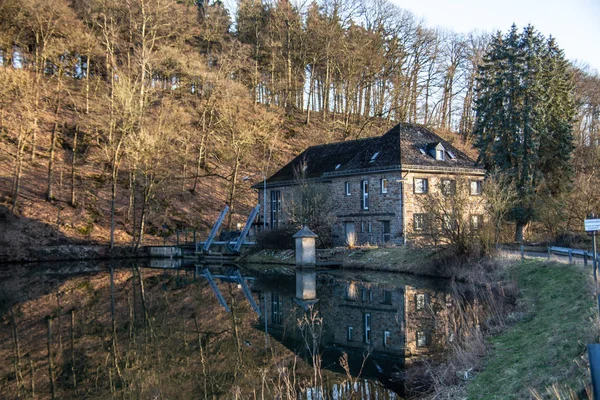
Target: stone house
377 185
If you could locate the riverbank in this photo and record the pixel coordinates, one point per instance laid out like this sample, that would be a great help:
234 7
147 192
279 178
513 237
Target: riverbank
544 352
68 252
425 262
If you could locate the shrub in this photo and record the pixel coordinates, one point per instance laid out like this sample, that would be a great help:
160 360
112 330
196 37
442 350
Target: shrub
282 238
278 239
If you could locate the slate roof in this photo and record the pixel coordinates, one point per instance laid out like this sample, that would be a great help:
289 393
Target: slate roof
398 149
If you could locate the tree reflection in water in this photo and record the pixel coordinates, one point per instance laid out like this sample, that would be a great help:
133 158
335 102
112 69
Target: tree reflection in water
126 330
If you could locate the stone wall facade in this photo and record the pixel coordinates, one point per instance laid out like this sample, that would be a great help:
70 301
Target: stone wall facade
390 213
414 202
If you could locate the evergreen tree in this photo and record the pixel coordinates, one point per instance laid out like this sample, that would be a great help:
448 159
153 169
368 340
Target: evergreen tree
524 116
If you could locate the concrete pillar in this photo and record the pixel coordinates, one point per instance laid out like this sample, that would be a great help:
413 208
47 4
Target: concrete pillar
306 253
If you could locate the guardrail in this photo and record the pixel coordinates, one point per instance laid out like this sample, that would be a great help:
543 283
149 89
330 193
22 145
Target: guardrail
571 253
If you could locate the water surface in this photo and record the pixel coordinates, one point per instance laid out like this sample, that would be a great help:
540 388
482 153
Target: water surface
165 329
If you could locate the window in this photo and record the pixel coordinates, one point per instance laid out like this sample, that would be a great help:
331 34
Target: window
439 155
476 221
387 297
386 338
370 227
384 185
448 186
421 339
338 166
374 157
276 308
364 199
451 155
448 222
421 301
350 333
420 222
367 328
476 188
275 208
367 295
387 234
421 185
362 226
347 187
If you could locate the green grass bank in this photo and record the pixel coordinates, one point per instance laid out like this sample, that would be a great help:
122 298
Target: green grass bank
543 354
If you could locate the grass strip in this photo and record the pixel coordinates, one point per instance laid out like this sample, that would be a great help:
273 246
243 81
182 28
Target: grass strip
546 346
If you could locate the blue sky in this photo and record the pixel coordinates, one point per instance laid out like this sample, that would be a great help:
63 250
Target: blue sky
574 23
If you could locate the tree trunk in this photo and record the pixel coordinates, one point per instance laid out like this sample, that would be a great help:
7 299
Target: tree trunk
50 364
49 193
520 227
326 84
113 196
310 94
73 156
17 351
73 374
87 86
18 172
232 189
199 161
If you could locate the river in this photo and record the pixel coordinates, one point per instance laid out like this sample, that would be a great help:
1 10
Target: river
155 329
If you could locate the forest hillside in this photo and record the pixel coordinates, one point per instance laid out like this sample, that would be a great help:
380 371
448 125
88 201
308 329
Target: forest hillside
121 122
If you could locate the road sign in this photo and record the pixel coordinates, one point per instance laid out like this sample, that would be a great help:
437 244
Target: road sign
592 224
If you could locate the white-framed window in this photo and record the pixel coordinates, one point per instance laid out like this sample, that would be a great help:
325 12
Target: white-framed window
448 186
421 185
347 188
448 222
476 221
439 155
419 222
364 199
421 301
362 226
370 227
386 338
384 185
367 320
421 339
476 188
350 333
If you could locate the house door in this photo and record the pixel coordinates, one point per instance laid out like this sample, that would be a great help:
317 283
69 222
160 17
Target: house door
349 228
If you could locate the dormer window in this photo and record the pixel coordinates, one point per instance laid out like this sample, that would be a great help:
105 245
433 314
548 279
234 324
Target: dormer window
437 151
374 157
338 166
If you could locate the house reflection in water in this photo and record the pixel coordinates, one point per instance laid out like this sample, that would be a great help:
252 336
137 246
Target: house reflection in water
395 323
